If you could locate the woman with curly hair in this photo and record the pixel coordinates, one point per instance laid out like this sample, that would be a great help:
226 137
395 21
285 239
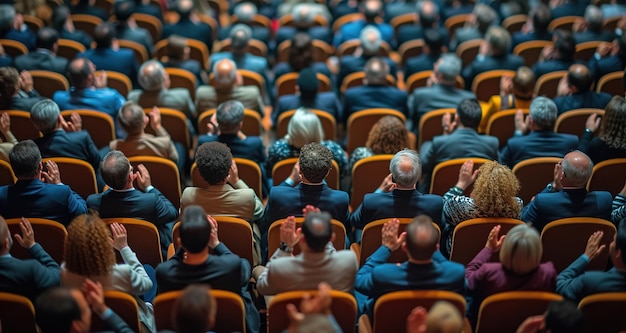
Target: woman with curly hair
611 141
89 254
494 195
387 136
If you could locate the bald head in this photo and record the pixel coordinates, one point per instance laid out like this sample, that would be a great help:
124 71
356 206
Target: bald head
80 72
225 73
422 239
406 169
579 78
376 71
577 168
184 8
428 13
372 9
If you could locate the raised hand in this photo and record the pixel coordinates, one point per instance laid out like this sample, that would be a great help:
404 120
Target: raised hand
494 240
387 184
27 239
390 236
50 173
467 175
143 177
213 239
593 245
288 232
120 237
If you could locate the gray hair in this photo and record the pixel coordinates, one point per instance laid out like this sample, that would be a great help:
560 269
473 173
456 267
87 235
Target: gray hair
544 112
522 249
304 127
151 75
593 16
485 16
400 174
449 68
371 40
45 115
245 11
7 14
499 39
229 114
302 14
225 79
577 176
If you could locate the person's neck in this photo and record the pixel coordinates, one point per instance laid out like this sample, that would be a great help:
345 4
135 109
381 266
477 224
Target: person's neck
135 135
420 262
407 188
196 258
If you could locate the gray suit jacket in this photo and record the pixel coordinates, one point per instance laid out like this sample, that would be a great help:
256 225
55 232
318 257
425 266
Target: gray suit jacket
435 97
250 96
175 98
306 270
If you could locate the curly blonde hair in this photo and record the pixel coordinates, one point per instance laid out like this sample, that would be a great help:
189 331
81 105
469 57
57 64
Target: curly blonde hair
88 248
387 136
495 190
613 123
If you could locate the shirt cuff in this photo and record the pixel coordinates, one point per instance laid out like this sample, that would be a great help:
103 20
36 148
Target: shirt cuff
585 258
289 181
378 190
107 314
149 188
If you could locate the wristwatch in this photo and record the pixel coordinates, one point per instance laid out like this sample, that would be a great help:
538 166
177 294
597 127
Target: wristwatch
285 248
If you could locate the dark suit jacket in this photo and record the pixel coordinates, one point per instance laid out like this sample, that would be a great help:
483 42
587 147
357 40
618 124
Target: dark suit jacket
464 34
590 36
150 206
589 99
6 61
319 33
89 10
186 28
483 64
283 68
191 65
575 284
285 201
597 149
29 278
438 96
550 206
350 64
26 37
423 62
41 60
122 61
520 37
139 35
325 101
34 198
411 31
150 9
69 144
250 148
550 66
371 96
537 144
609 64
377 277
568 9
397 203
78 36
23 101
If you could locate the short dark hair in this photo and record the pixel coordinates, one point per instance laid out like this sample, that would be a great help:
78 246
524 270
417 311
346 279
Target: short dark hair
565 44
563 317
214 160
56 309
317 230
582 80
315 162
195 229
541 17
421 238
104 35
469 113
46 38
308 84
124 9
9 84
25 158
79 75
114 169
434 40
59 17
194 308
229 115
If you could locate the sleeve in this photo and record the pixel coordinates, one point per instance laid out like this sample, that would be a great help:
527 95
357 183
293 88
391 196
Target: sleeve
427 156
530 213
571 282
619 208
48 274
76 205
505 156
356 218
268 282
92 152
258 205
364 282
139 280
458 209
585 140
473 272
165 210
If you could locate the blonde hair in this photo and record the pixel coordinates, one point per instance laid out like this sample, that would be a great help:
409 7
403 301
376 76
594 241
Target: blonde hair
304 127
444 317
522 250
495 190
88 248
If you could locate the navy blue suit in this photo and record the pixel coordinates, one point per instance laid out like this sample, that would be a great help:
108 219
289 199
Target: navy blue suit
86 9
352 30
122 61
250 148
29 278
410 32
372 96
320 33
423 62
575 284
190 65
520 37
325 101
377 277
397 203
537 144
588 99
41 60
609 64
78 145
550 66
34 198
350 64
26 37
550 206
189 29
78 36
283 68
488 63
285 201
590 36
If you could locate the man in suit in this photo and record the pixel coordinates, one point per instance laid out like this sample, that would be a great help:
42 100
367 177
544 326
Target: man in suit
442 92
575 284
541 141
89 91
44 57
318 262
17 90
193 263
307 96
375 92
155 83
308 177
426 268
567 195
536 27
61 138
70 310
558 57
12 26
228 86
493 54
575 91
591 28
479 22
122 199
372 10
127 28
189 26
245 13
303 21
38 191
108 56
608 58
63 24
433 49
429 18
178 57
567 8
397 195
460 139
28 278
88 7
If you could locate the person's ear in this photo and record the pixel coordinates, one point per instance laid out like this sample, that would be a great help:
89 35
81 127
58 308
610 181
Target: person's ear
332 237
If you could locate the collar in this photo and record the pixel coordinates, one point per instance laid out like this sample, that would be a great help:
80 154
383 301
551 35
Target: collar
8 255
122 191
407 193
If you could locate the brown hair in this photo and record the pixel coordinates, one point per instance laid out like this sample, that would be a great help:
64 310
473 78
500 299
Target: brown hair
88 248
387 136
495 190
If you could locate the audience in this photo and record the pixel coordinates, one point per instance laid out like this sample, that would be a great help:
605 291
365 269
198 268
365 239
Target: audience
515 93
61 21
560 317
576 91
44 57
178 53
611 140
16 90
557 57
188 25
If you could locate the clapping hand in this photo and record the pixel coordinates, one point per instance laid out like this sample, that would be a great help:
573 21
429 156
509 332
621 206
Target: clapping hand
390 236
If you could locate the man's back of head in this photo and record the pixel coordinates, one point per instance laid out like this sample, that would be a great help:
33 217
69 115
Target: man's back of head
443 317
485 16
499 41
406 169
225 74
434 40
195 309
447 68
579 78
371 10
563 317
524 83
152 76
47 38
214 160
104 35
317 230
177 48
308 85
564 44
422 239
543 112
303 16
7 15
57 311
428 13
593 17
469 113
195 229
9 83
371 40
577 168
45 115
123 10
25 159
315 162
229 116
115 170
132 118
80 72
541 17
376 70
184 8
240 36
245 12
